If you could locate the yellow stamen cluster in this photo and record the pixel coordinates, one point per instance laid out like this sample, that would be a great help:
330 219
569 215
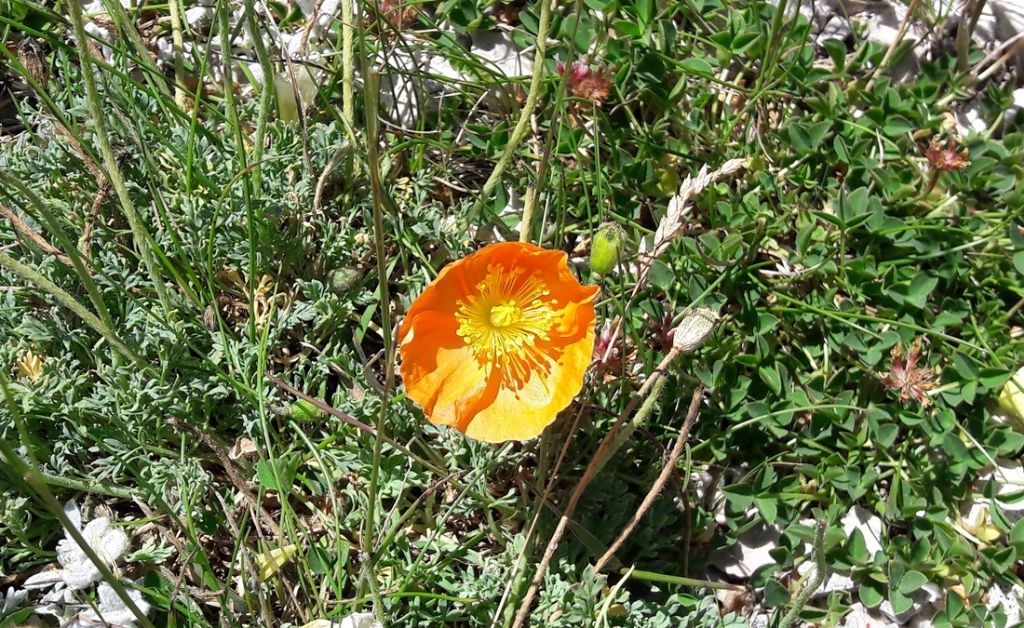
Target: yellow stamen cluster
506 318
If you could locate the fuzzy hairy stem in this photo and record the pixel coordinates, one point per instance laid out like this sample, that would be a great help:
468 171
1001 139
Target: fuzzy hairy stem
523 124
815 582
113 170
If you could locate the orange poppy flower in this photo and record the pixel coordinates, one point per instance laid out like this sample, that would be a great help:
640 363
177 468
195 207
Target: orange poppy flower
497 345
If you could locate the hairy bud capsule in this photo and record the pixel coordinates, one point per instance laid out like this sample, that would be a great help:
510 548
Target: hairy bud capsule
697 326
606 248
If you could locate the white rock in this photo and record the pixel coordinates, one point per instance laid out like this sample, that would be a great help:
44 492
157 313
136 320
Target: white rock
1011 113
749 553
923 608
1010 601
969 119
494 232
863 617
760 620
868 523
499 55
361 620
1008 478
835 28
199 18
113 610
1000 21
497 50
355 620
401 100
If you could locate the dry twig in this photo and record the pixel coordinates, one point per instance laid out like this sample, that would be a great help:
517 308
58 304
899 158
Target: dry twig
588 475
229 467
659 483
27 231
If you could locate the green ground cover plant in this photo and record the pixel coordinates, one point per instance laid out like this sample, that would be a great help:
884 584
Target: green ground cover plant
203 271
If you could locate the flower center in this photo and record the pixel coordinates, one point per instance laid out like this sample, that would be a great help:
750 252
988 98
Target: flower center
505 314
506 318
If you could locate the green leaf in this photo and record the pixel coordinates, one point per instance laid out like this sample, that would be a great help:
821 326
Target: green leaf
645 10
1018 261
912 581
885 435
696 65
17 618
770 376
303 410
898 125
775 594
836 51
662 275
801 140
954 447
900 603
871 594
919 289
769 509
816 132
628 28
740 495
858 548
856 203
277 475
1016 537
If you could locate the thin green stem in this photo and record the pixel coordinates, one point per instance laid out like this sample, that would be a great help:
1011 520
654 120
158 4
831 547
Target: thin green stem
31 475
113 171
523 124
348 113
178 45
50 220
68 301
639 419
370 95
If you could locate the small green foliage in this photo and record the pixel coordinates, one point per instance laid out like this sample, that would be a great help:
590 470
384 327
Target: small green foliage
871 319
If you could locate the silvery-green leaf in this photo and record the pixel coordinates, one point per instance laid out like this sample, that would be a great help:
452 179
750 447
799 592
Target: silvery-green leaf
43 580
72 512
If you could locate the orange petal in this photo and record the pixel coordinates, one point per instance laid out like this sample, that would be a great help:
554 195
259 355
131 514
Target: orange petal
523 414
455 388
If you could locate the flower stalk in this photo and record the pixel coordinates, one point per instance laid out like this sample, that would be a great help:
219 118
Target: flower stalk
523 124
113 171
646 392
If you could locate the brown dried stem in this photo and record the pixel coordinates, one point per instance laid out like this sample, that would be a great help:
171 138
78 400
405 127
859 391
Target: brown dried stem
588 475
229 467
21 227
659 484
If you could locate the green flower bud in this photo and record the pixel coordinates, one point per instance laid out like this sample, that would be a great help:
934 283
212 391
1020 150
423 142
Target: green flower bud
303 410
606 248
